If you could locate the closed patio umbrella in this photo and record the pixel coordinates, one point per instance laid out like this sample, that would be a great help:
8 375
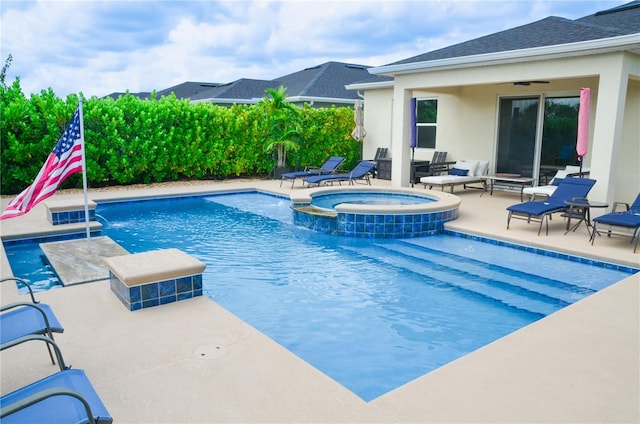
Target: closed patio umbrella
582 143
358 132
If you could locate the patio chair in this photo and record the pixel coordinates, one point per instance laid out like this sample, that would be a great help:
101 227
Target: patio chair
64 397
381 153
436 166
541 210
359 173
625 223
329 167
548 189
25 318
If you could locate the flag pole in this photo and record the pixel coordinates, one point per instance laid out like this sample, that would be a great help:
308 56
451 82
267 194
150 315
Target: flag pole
84 179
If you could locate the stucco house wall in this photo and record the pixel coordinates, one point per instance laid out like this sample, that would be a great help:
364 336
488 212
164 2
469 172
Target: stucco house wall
468 108
377 121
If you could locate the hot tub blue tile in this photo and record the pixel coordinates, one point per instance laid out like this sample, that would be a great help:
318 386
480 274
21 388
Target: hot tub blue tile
184 284
168 299
134 294
185 295
150 303
197 283
167 288
149 291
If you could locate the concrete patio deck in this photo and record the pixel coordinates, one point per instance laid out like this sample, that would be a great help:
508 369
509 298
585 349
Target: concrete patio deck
194 362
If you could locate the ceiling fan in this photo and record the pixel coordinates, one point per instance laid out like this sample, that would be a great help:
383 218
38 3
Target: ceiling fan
527 83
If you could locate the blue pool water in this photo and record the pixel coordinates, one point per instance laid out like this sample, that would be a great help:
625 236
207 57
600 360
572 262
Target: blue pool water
330 201
371 314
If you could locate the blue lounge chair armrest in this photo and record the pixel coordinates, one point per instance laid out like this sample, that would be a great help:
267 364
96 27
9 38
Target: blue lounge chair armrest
24 283
37 337
45 394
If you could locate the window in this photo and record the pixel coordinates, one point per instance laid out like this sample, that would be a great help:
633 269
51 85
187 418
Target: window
426 123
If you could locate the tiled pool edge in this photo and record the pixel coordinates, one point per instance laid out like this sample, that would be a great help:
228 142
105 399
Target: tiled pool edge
545 252
374 225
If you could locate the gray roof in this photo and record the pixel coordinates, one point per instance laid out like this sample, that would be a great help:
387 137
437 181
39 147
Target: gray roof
240 89
324 81
182 91
188 89
617 21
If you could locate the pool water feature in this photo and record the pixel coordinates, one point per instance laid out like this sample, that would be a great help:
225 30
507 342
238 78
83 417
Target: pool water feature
371 314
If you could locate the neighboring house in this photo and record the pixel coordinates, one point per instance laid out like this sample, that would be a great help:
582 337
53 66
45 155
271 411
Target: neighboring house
242 91
185 90
512 98
319 86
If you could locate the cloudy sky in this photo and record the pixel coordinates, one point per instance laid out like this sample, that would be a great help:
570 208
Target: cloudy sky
100 47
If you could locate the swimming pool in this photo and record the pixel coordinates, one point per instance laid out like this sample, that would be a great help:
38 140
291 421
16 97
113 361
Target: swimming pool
371 314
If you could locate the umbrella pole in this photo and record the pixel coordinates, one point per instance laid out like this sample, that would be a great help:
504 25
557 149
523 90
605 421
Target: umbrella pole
580 160
411 169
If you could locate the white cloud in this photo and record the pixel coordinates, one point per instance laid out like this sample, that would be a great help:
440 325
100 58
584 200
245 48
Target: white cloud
98 47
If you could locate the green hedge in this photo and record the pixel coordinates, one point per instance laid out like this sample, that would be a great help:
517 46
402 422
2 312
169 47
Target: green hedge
131 141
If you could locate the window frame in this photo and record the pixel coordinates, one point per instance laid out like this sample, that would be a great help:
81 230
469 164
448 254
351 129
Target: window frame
426 139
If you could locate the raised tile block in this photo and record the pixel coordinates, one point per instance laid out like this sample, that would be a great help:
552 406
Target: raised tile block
69 212
158 277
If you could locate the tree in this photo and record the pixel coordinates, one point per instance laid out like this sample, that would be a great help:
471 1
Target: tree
3 72
283 118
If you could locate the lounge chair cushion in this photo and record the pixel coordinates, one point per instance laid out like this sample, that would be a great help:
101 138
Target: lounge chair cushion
547 190
570 188
470 165
483 167
477 169
459 172
629 218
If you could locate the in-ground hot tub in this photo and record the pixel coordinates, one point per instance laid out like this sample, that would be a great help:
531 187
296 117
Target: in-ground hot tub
374 212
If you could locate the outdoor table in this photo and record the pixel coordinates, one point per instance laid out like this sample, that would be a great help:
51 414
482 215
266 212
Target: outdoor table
509 180
580 209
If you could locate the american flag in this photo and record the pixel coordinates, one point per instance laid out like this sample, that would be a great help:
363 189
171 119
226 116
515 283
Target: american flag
64 160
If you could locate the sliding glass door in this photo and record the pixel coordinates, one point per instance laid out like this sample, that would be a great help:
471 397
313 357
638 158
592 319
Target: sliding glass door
559 134
534 142
517 135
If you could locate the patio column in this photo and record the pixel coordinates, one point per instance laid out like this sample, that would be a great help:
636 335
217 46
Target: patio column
607 129
400 134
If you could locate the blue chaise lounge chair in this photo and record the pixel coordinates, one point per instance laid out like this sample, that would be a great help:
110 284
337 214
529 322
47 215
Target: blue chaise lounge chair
360 172
24 318
541 210
64 397
626 223
329 167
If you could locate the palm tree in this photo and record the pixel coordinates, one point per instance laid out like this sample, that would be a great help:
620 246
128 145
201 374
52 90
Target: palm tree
283 124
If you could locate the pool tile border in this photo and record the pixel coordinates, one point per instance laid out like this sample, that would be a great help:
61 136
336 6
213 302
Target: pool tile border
545 252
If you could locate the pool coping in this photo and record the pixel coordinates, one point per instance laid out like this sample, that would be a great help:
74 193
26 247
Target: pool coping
577 365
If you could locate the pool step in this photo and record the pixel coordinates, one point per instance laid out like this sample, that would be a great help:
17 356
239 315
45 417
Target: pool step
446 270
509 278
